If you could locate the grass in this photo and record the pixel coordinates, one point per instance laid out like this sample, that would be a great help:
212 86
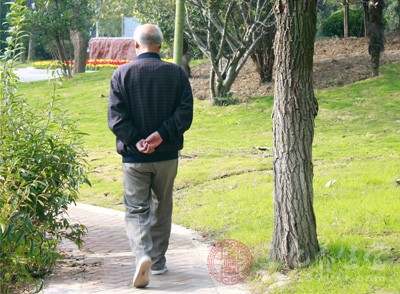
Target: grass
224 186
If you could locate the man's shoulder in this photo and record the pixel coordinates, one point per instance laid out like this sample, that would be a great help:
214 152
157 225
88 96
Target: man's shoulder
140 64
123 68
173 67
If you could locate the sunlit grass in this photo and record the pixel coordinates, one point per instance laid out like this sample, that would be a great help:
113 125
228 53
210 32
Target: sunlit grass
224 186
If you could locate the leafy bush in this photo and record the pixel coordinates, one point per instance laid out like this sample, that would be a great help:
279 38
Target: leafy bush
334 26
392 16
41 167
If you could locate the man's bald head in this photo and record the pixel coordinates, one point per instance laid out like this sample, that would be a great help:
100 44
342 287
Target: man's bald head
148 35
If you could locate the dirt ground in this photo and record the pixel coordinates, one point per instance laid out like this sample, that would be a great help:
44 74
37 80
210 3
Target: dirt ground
336 62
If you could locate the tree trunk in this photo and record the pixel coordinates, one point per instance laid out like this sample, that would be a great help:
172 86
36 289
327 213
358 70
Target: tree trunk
366 17
80 46
376 33
31 49
186 58
178 35
22 56
346 18
294 241
219 89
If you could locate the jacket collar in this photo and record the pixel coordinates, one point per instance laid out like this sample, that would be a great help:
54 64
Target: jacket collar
149 55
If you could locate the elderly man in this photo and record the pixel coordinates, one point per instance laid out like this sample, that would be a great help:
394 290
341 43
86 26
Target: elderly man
150 107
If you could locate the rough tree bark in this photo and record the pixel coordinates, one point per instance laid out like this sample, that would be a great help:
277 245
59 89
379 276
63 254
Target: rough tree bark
376 33
80 46
294 241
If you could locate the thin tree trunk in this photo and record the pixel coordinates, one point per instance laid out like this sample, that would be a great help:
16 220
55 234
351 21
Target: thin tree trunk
80 46
366 17
346 18
212 83
62 56
294 241
31 49
178 36
186 58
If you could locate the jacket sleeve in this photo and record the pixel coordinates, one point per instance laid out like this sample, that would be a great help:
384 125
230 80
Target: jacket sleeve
180 121
118 116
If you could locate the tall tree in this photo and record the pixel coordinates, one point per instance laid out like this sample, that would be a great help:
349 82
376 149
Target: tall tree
294 241
376 33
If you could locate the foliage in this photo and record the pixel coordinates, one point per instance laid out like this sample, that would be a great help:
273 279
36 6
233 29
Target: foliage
54 20
333 25
159 12
41 168
392 15
109 16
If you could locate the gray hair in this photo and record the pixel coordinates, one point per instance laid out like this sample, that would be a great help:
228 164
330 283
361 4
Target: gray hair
148 34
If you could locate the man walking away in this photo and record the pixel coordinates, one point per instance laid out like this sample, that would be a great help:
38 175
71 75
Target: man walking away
150 107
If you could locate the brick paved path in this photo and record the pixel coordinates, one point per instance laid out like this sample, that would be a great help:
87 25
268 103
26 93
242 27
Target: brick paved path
105 263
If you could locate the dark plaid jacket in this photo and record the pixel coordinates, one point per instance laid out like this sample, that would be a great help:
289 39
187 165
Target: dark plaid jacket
149 95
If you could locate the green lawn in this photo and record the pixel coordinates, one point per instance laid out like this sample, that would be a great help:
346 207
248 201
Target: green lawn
225 183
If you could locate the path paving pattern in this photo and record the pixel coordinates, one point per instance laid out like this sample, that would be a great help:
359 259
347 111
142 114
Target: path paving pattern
105 264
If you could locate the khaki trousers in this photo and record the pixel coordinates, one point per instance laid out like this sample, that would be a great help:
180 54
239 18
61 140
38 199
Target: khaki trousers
148 191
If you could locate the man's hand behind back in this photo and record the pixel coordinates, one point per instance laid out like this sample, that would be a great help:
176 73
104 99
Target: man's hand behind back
149 144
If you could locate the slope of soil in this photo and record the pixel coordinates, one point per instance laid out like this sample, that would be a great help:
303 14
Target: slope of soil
336 62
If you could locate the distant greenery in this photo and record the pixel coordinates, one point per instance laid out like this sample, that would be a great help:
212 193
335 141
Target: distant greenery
333 26
224 187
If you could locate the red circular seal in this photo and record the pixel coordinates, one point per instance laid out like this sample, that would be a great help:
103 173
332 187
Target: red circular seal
229 262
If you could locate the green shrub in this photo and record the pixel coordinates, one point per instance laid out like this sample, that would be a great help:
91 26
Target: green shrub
392 16
42 164
334 26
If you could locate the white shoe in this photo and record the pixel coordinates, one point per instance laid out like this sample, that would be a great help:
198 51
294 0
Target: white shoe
141 278
160 272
